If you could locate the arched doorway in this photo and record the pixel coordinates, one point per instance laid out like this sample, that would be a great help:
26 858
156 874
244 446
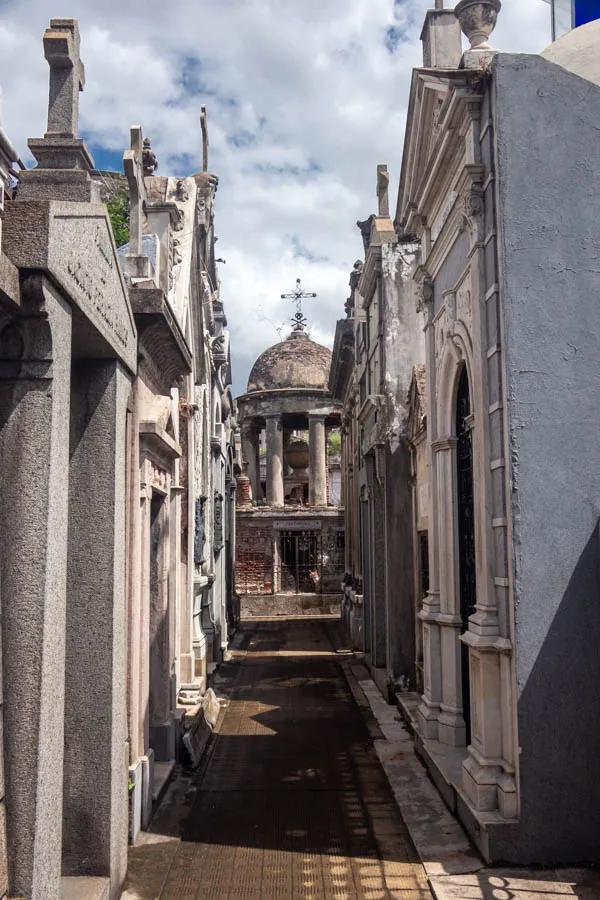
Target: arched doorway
466 529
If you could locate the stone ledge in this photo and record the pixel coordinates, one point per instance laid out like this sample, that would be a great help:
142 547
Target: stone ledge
441 843
84 888
163 772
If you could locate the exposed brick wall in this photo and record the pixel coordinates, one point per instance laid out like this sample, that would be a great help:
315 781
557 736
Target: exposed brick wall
254 558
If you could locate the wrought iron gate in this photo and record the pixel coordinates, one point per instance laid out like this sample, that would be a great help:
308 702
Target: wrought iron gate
466 528
299 569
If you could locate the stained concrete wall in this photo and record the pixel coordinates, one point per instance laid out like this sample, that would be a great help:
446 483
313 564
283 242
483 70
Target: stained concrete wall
400 565
403 347
548 166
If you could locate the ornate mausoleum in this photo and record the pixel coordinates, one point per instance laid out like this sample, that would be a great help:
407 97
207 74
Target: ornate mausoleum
290 534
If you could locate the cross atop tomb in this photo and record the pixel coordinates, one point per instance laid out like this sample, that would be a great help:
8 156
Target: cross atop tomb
134 172
383 183
67 76
204 127
297 296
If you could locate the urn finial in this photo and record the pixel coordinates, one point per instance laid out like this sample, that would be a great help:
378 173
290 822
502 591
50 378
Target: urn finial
477 20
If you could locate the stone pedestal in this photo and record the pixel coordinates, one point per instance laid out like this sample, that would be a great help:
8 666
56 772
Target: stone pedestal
275 495
317 463
441 39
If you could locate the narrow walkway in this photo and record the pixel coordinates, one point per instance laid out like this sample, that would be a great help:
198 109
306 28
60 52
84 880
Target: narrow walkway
292 802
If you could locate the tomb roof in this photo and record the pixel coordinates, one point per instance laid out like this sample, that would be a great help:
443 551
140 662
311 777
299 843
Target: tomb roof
297 362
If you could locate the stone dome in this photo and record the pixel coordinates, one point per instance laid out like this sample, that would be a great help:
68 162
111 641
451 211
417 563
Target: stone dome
296 362
577 51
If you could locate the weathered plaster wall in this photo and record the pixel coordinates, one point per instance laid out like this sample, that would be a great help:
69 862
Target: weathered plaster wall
548 165
404 346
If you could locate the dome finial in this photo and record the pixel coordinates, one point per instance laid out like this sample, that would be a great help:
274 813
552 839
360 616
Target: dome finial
297 296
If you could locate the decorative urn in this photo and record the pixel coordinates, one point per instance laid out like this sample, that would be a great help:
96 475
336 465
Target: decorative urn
477 19
296 454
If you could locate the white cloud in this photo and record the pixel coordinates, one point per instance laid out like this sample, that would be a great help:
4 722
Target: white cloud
304 101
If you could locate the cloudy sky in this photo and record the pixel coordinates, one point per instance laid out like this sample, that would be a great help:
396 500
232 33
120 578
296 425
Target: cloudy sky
304 100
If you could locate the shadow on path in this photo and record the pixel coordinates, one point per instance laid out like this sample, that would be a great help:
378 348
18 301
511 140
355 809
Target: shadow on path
292 802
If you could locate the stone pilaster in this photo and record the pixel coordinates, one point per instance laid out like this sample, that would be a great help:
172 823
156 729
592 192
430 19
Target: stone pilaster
317 461
275 496
35 375
95 761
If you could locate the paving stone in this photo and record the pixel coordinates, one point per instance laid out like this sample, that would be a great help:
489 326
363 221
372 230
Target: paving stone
293 802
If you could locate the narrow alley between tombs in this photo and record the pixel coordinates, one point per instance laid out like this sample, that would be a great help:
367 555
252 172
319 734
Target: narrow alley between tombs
291 801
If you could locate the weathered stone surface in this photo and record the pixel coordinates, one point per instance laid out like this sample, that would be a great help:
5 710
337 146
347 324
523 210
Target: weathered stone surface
290 605
211 707
74 244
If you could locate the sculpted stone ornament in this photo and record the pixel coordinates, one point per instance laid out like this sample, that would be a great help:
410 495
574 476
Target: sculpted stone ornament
149 159
199 531
477 20
181 191
472 213
424 294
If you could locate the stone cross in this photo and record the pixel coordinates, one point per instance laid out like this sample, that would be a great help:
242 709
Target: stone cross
134 171
67 76
439 4
204 126
383 182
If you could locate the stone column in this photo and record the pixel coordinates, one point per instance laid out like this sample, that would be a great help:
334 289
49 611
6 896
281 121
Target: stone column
317 463
250 452
35 374
95 811
429 708
274 461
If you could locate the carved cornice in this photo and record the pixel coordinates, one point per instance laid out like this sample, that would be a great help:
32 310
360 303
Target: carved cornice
372 404
160 339
158 441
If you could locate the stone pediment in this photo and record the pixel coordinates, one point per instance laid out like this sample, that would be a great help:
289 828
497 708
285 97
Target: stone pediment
441 104
74 245
428 94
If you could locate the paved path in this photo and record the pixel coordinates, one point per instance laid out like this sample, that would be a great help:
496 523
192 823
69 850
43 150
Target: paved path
293 802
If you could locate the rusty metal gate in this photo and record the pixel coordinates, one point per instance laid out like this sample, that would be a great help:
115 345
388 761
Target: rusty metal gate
300 562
